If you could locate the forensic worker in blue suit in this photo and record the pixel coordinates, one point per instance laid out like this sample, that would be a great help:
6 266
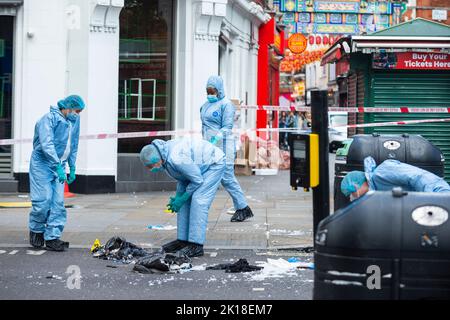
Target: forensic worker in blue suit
217 115
389 174
55 143
198 167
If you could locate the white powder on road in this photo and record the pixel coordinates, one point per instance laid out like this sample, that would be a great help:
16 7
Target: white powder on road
274 269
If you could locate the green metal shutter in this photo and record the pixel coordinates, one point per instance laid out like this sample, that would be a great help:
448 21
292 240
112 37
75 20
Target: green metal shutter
425 89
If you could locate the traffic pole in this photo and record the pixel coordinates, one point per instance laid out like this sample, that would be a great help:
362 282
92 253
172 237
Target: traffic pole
319 125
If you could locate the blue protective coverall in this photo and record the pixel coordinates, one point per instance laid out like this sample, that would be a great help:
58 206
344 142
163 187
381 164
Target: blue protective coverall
51 136
198 167
393 173
217 120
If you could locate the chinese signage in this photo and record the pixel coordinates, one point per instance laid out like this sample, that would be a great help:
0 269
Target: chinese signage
411 61
297 43
373 7
337 17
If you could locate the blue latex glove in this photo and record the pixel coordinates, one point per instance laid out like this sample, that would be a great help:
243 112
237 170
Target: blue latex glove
71 175
179 201
214 140
172 199
61 173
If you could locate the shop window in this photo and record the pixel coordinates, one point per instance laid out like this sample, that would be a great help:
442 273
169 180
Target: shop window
145 69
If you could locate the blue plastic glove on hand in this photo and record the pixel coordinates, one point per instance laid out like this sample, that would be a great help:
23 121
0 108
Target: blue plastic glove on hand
172 199
71 175
61 173
214 140
179 201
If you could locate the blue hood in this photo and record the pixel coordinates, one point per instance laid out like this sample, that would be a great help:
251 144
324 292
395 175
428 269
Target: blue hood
162 147
56 110
216 82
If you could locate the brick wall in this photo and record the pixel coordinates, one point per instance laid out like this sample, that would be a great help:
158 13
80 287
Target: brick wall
427 13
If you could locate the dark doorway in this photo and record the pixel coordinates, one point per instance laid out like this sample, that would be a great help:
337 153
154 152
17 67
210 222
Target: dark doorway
6 68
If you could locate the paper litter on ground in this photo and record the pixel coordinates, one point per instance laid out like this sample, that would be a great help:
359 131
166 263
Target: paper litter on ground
162 227
276 268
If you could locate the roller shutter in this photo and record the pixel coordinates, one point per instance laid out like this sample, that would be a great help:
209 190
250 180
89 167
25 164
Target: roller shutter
426 89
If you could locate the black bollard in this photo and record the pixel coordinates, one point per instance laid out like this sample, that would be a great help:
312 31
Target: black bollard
319 125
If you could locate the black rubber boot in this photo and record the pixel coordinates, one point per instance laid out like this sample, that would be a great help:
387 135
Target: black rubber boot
174 246
242 214
55 245
191 250
36 239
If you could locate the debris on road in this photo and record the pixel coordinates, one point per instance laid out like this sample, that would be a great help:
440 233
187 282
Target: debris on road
241 265
162 263
118 249
277 269
145 261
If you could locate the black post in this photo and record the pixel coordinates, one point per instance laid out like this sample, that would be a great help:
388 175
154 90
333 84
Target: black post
319 125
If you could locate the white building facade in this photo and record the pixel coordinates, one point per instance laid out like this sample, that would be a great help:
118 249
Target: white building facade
140 65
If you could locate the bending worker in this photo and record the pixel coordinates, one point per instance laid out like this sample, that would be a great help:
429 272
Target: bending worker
390 173
217 115
198 167
55 143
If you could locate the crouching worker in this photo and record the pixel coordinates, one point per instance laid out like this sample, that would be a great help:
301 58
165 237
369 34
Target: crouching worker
198 167
55 143
389 174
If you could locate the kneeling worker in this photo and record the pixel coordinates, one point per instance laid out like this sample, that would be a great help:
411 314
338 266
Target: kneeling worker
390 173
198 167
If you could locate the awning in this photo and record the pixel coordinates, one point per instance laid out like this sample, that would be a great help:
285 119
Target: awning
368 44
331 56
336 51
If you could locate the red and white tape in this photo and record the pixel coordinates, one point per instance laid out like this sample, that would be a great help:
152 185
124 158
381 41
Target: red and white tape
353 110
125 135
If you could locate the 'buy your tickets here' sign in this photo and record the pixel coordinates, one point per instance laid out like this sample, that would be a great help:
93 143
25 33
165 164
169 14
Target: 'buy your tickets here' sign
411 60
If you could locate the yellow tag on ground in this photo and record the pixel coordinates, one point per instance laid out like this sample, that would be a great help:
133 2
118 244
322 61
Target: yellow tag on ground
96 245
15 204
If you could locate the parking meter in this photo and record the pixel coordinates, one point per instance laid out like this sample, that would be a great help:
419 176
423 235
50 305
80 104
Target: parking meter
304 152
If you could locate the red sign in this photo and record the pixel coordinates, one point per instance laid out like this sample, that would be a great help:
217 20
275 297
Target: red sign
411 61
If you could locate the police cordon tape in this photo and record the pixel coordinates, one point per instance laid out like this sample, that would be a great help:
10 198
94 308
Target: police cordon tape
125 135
351 109
387 109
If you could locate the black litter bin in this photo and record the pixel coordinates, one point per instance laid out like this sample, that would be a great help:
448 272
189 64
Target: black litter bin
412 149
405 235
